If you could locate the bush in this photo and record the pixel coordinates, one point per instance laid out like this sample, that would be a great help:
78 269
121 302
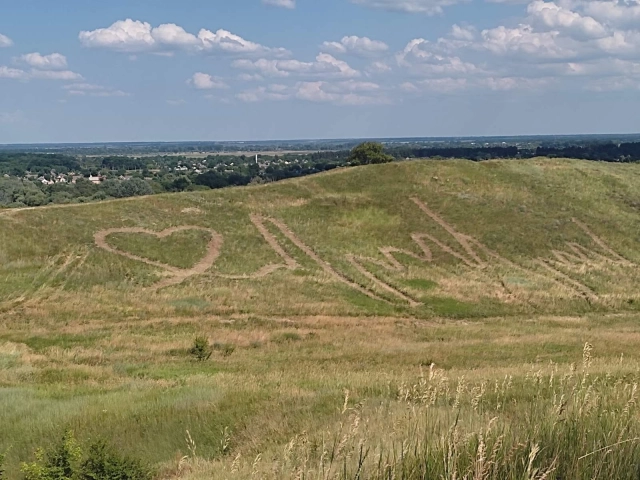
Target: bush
59 463
201 349
66 461
104 463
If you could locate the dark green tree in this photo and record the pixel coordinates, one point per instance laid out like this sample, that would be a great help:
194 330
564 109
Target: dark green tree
369 153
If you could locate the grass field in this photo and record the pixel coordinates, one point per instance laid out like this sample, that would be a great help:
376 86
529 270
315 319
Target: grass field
423 319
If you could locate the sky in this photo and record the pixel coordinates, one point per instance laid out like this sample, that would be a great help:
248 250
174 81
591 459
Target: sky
169 70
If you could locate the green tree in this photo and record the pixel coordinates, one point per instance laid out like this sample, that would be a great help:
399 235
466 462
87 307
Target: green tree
369 153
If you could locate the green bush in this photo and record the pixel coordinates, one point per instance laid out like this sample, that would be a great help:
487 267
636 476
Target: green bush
201 349
66 461
103 463
59 463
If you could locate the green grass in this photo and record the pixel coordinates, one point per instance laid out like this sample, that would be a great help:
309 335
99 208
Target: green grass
492 279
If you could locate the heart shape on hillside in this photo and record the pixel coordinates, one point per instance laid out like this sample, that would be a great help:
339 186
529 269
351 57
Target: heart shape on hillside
175 274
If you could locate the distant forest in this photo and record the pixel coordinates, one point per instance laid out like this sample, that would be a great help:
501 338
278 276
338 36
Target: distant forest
34 179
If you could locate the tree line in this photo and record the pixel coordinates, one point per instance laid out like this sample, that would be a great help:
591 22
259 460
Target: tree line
26 179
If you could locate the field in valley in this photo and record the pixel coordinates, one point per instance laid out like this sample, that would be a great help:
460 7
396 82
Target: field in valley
425 319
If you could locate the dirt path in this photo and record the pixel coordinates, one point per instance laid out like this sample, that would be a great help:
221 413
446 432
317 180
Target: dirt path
12 211
289 262
175 275
471 252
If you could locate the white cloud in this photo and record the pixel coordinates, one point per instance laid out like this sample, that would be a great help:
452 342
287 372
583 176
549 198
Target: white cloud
92 90
523 41
428 7
325 65
248 77
33 74
357 45
275 92
616 12
55 75
422 57
281 3
343 93
55 61
13 73
378 67
203 81
465 33
133 36
5 41
346 92
451 85
553 16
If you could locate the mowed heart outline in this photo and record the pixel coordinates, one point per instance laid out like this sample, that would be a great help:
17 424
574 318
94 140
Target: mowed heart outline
177 274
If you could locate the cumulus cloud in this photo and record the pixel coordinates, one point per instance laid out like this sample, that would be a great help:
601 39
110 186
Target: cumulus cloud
133 36
576 43
421 56
281 3
203 81
428 7
5 41
324 65
618 13
464 33
525 41
55 61
363 46
553 16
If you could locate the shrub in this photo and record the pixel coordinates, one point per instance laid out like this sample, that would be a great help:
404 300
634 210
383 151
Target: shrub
201 349
59 463
66 461
104 463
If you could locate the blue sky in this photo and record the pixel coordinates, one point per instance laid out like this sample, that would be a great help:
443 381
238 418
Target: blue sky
165 70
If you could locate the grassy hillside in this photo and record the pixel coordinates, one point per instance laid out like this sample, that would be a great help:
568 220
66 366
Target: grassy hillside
354 280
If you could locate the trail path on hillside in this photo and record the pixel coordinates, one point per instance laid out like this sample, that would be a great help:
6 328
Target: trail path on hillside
177 274
11 211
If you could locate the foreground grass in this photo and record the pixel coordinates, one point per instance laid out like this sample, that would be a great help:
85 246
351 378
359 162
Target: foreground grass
513 290
552 423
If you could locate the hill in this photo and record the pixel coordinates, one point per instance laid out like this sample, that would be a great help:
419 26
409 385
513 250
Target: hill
349 280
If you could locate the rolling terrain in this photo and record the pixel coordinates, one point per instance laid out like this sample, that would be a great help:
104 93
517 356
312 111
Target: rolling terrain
469 305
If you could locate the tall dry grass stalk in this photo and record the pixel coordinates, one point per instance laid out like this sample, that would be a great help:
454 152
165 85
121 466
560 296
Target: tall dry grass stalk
552 423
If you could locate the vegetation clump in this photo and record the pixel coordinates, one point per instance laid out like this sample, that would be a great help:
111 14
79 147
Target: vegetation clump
201 349
68 461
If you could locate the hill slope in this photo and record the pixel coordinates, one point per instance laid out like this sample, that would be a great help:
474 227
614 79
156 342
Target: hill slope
353 280
422 238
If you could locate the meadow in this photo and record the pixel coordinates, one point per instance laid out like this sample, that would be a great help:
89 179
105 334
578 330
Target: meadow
423 319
